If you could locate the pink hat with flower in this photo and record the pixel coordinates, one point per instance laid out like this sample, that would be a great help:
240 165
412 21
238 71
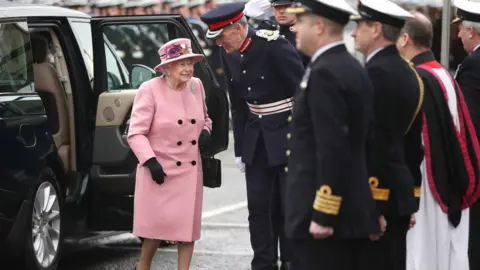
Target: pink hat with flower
175 50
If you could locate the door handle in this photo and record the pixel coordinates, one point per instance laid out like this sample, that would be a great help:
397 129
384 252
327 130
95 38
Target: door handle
26 134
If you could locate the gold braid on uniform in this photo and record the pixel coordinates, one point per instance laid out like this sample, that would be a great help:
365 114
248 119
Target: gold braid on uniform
416 191
379 194
422 92
326 202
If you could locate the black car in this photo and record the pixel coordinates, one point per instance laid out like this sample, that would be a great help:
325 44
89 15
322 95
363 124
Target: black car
65 166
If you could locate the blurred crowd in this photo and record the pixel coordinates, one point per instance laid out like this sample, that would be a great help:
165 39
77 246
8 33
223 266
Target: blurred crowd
193 9
139 43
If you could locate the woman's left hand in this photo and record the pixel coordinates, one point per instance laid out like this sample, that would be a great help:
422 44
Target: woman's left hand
203 140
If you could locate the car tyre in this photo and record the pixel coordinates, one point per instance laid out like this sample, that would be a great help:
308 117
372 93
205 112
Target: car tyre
44 235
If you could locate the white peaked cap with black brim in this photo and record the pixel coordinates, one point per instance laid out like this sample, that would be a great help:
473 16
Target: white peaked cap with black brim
336 10
383 11
179 3
109 3
195 3
75 3
467 11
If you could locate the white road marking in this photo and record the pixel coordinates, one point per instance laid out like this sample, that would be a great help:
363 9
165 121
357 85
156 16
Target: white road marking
223 210
224 225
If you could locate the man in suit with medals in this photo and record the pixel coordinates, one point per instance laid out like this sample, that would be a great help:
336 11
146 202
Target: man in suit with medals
468 77
398 101
330 210
450 174
263 71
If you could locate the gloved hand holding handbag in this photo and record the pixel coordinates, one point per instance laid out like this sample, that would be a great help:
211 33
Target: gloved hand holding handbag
204 140
156 170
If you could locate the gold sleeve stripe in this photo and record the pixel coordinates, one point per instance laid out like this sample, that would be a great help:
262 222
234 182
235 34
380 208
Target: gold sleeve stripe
416 192
379 194
420 98
326 202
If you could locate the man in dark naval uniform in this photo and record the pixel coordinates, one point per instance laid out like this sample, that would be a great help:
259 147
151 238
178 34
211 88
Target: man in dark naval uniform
330 211
285 23
263 71
468 77
398 101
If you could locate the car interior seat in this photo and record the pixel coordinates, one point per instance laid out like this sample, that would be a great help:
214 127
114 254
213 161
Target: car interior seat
50 90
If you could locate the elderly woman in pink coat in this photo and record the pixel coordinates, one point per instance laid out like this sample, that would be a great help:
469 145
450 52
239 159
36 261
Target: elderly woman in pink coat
168 128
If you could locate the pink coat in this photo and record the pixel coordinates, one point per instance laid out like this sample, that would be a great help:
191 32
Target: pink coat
166 124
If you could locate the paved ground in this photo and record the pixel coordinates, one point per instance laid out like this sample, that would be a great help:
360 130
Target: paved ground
224 243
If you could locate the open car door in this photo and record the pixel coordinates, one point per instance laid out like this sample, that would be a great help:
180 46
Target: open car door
123 54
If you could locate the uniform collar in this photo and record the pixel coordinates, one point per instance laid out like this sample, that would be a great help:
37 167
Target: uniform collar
247 43
476 48
284 28
372 54
324 49
423 58
390 49
476 51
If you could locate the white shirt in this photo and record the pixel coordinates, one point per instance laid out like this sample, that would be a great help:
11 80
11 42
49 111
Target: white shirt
324 49
372 54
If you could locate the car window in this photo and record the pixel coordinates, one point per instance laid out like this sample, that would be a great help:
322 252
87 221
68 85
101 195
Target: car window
83 31
138 44
115 78
16 61
117 74
135 44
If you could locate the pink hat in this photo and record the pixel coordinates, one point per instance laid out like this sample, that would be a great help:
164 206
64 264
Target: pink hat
175 50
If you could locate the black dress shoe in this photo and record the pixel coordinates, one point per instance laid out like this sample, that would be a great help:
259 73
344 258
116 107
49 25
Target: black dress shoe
286 266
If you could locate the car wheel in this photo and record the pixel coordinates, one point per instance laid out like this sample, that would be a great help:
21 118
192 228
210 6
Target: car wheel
44 231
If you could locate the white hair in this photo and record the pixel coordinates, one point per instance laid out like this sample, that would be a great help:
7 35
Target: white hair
243 21
474 25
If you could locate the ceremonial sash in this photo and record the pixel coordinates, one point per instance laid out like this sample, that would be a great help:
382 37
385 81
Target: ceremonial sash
465 134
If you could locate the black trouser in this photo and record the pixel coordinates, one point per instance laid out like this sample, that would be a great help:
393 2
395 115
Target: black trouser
266 219
392 246
333 254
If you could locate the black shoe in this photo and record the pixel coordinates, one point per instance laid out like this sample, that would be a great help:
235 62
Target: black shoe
286 266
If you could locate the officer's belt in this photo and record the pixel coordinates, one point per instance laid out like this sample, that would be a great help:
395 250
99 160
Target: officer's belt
272 108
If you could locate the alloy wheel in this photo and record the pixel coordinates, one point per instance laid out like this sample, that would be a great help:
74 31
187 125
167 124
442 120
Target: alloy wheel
46 224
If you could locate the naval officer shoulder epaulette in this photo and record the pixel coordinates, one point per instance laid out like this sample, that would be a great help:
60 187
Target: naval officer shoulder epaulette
269 35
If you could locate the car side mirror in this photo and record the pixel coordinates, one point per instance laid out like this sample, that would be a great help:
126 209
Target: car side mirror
140 74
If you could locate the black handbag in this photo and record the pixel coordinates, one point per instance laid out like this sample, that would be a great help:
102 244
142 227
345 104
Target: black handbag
212 172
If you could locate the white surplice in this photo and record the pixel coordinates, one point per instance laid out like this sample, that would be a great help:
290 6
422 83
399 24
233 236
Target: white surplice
434 244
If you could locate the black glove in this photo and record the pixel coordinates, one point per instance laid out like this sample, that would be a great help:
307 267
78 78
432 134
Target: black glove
204 140
156 170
